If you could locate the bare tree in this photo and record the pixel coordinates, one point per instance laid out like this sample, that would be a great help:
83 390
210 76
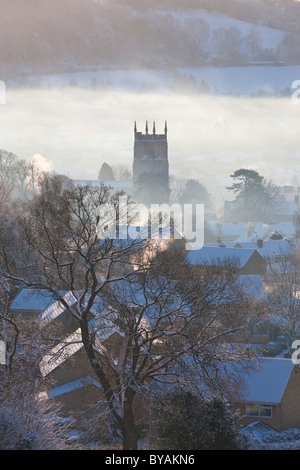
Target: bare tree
18 175
27 420
8 167
35 174
254 41
9 332
22 176
227 44
164 314
284 296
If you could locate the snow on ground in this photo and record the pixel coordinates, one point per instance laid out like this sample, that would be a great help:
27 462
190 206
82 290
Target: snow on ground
246 80
285 440
270 37
225 80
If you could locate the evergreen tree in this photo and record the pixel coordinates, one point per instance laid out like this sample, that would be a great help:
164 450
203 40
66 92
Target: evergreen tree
194 193
256 199
106 173
188 421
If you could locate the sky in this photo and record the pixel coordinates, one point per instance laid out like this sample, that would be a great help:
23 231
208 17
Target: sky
73 130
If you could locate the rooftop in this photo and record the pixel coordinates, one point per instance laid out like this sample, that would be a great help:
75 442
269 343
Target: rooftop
268 383
32 299
215 254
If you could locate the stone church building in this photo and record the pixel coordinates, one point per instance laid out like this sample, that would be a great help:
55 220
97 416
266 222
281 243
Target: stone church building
150 158
150 153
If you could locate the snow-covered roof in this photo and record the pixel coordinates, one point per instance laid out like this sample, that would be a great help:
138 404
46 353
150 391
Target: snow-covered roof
73 343
241 232
60 353
262 231
71 387
210 254
268 383
55 309
269 248
32 299
259 429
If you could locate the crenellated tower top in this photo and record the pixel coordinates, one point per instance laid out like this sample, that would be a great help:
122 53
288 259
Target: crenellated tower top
147 136
150 152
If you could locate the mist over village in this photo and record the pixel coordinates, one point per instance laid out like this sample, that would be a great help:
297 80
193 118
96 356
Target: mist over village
150 227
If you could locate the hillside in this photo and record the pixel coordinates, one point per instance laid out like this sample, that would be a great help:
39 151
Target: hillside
39 37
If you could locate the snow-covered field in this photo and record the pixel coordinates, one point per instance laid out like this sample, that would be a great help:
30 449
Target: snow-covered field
77 128
270 37
225 80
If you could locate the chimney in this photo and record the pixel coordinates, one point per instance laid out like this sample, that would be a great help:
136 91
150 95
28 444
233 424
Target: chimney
260 243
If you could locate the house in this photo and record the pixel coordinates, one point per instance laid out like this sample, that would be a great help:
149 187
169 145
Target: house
273 251
248 261
57 314
75 395
68 374
260 331
68 377
55 365
29 303
272 395
230 232
262 231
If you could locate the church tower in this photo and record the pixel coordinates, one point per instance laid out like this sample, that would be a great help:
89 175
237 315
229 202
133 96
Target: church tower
150 153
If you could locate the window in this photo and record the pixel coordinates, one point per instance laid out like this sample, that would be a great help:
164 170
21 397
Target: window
258 409
265 411
252 409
